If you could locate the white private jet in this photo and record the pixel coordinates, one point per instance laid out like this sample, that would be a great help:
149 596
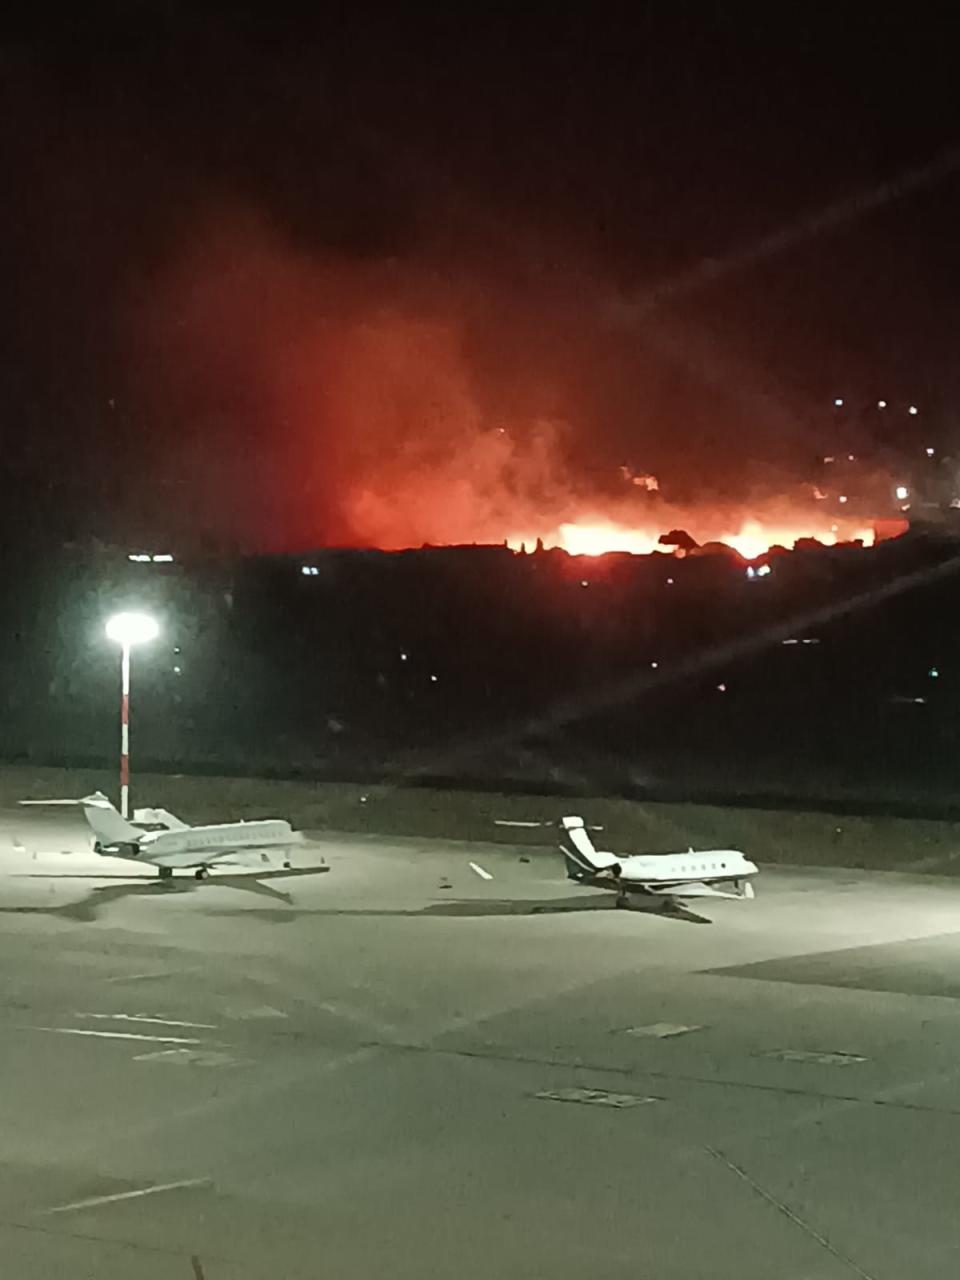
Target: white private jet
157 837
694 874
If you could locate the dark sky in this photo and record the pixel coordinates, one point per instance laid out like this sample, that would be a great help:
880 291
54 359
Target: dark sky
275 280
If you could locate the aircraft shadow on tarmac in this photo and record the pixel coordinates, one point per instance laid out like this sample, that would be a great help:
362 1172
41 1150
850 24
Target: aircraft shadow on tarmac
560 906
479 908
88 907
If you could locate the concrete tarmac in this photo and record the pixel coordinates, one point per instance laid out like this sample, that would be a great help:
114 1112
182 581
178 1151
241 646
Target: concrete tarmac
396 1067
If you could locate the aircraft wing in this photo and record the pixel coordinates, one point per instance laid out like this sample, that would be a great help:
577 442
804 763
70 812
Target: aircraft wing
188 858
688 889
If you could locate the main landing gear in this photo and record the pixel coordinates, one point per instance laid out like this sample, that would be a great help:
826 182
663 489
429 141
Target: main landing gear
623 898
202 873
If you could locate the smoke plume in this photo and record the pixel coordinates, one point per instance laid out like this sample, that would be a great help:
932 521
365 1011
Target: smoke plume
316 399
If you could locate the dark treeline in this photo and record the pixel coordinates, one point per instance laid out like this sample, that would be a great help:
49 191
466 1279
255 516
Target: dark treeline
832 674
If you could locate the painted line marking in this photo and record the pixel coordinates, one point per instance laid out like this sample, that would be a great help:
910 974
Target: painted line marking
662 1030
812 1055
117 1035
143 1017
140 977
260 1011
94 1201
595 1097
191 1058
484 875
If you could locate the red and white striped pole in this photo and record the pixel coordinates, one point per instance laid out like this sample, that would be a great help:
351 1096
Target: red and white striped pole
128 629
125 730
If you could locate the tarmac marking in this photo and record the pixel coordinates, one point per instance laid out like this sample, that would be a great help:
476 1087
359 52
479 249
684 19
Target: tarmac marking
135 977
143 1017
95 1201
662 1030
595 1097
484 875
812 1055
191 1058
259 1011
117 1035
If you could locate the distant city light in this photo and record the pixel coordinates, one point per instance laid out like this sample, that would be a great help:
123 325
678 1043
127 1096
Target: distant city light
309 570
722 688
654 665
842 498
177 670
913 409
163 558
433 679
403 656
881 404
902 492
851 457
763 571
838 403
584 582
829 458
669 582
930 451
934 673
144 557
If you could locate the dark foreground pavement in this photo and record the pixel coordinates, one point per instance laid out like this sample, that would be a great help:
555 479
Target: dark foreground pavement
398 1068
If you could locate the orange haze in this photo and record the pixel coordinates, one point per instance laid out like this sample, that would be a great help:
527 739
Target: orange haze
320 401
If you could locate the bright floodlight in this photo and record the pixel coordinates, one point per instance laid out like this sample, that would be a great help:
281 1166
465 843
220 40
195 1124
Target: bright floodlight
838 403
913 410
902 492
132 628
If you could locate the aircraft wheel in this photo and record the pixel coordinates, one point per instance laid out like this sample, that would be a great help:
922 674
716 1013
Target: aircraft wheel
202 873
166 873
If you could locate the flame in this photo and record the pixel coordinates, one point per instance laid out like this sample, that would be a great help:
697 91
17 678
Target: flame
752 539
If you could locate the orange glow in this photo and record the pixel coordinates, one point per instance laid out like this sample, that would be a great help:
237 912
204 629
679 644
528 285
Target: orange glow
397 404
753 538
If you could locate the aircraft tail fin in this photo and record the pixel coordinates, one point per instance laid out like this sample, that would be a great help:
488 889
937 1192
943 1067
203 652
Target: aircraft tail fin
104 821
581 858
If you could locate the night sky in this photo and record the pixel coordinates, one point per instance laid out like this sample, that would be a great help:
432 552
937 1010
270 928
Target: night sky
276 282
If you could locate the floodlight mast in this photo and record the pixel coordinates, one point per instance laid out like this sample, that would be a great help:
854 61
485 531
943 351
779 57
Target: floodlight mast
128 629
